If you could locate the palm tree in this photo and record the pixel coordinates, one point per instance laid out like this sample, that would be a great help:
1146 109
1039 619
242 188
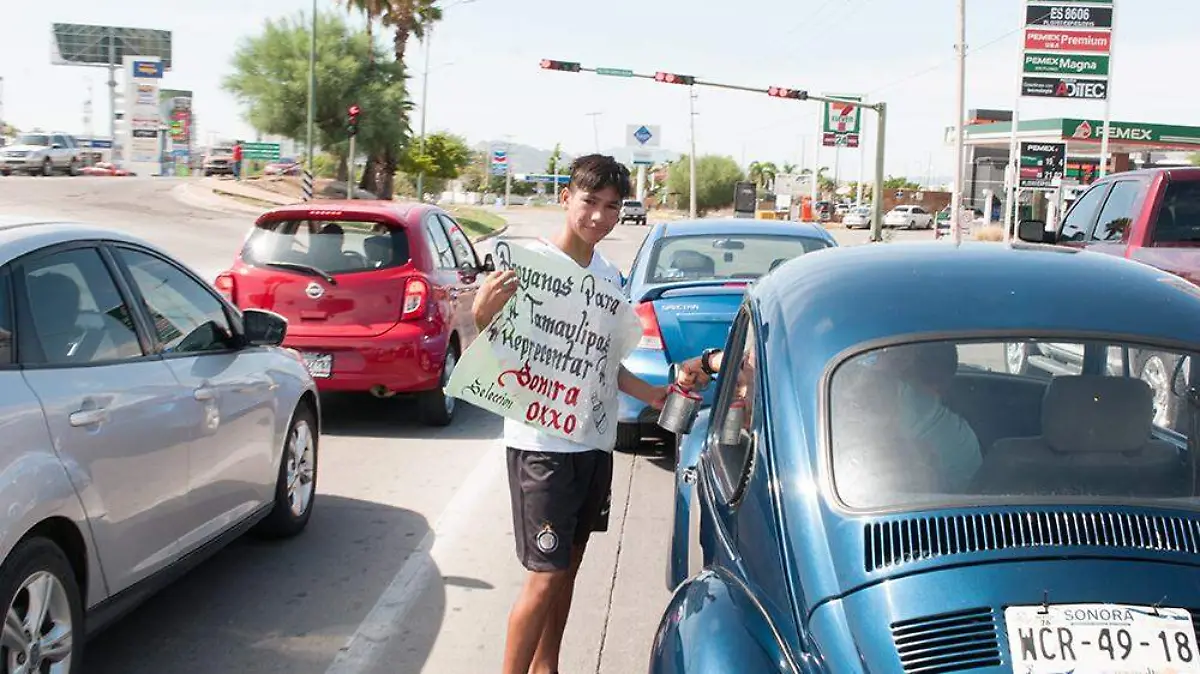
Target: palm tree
762 173
373 10
789 167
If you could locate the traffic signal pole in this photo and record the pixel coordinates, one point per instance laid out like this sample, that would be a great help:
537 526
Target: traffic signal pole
777 92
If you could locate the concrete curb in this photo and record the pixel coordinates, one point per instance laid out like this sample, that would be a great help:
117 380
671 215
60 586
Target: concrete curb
491 235
187 194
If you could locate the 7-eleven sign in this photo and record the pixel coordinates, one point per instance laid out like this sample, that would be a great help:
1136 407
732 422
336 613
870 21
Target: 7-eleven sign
842 118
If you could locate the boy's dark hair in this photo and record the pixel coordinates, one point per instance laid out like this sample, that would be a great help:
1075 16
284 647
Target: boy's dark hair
595 172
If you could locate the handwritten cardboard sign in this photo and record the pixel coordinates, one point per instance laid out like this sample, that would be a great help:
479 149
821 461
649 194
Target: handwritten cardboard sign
550 358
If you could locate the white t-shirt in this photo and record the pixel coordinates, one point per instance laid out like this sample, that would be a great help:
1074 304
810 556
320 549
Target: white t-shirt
524 436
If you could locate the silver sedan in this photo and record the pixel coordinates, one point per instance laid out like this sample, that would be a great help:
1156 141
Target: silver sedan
146 422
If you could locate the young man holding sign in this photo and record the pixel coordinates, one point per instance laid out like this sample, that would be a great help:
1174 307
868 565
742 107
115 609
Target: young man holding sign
560 489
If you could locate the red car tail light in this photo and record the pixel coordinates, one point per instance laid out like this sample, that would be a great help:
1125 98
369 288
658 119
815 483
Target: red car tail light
227 286
416 299
651 335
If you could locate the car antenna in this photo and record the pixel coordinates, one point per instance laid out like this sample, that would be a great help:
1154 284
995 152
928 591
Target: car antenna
1045 602
1156 606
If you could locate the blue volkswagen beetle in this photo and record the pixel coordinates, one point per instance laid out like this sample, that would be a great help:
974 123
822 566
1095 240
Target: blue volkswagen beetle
686 283
873 491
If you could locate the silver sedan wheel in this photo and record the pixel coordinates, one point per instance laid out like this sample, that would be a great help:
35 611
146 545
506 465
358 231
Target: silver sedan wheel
38 633
1154 373
301 448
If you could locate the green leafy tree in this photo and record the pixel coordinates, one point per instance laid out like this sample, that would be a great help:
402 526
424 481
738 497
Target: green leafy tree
554 164
445 156
900 183
715 179
270 77
788 167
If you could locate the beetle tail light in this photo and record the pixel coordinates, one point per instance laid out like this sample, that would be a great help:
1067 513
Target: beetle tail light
651 334
416 299
227 286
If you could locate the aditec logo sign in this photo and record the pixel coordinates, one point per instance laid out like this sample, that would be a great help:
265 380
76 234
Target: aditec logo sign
1055 87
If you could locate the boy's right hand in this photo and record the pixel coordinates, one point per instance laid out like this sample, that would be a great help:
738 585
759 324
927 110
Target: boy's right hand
494 293
689 375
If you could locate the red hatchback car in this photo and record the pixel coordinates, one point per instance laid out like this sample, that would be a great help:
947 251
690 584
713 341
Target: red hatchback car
377 294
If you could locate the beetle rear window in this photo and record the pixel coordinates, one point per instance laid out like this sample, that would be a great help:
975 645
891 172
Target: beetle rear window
335 247
945 423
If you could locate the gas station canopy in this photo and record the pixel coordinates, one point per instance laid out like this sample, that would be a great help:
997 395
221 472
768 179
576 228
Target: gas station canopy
1083 136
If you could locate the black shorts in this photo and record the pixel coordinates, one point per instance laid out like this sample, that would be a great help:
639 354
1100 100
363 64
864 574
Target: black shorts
558 500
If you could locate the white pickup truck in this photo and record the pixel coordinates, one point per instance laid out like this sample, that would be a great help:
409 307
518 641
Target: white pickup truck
39 153
633 210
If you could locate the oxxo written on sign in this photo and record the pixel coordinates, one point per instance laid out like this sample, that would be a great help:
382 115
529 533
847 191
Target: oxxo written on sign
551 357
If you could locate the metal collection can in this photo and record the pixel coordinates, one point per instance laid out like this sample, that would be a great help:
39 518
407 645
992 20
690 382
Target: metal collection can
679 410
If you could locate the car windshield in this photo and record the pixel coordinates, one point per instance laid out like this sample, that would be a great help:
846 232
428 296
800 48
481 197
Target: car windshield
861 210
33 139
959 422
724 257
1179 216
634 204
333 247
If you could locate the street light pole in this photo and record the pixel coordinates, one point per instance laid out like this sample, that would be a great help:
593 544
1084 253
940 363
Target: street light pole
692 154
595 128
424 99
312 89
960 114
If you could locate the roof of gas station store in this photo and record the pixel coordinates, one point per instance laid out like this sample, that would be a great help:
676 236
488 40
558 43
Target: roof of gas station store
1083 136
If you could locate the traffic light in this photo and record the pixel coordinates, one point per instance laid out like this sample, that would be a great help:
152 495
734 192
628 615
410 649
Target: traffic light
783 92
568 66
352 119
674 78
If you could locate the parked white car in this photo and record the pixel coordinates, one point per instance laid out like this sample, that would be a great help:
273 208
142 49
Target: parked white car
859 216
908 217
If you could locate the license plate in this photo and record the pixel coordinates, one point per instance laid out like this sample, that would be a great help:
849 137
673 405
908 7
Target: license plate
318 364
1101 639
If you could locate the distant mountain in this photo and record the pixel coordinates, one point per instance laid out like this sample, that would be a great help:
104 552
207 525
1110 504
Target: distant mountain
529 159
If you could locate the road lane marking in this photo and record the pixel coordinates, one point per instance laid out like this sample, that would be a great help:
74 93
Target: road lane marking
386 619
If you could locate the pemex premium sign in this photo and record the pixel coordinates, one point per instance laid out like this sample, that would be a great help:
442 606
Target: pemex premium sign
1067 49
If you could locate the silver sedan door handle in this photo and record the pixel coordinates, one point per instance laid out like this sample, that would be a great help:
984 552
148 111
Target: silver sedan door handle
88 417
204 393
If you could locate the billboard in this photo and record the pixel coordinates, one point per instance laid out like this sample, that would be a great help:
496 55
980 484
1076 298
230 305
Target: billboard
76 44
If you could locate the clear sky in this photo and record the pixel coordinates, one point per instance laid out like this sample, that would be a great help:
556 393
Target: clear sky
486 84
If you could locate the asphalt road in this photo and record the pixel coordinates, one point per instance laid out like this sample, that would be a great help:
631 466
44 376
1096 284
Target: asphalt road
407 564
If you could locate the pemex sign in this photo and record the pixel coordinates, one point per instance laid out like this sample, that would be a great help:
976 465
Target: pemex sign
1067 49
1091 130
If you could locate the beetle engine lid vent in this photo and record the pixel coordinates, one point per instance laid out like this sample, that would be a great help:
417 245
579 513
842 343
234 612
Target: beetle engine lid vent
894 542
948 642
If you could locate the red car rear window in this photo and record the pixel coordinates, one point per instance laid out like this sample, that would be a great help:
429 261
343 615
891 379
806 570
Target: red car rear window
335 247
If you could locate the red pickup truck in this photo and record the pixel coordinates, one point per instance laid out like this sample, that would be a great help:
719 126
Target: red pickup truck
1149 215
